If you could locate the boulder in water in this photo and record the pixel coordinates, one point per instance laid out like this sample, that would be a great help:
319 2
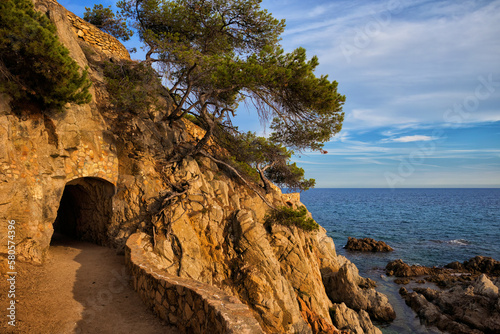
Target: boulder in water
367 245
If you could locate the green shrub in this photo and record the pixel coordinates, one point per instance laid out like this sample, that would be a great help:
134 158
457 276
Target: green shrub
34 65
288 216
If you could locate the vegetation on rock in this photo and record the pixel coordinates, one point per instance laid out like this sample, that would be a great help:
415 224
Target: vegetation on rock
132 87
107 21
289 216
34 65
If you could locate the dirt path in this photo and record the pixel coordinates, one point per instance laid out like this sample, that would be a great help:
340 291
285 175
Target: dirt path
82 288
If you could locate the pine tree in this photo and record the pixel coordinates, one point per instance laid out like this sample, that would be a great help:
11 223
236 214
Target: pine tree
34 65
216 53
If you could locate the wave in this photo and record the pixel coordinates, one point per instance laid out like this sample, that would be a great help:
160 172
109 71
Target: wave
459 242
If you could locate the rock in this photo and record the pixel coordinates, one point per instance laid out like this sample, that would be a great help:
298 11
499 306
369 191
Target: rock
317 323
403 281
461 309
367 245
468 301
400 269
430 315
357 293
446 277
477 265
484 265
455 265
351 321
484 287
4 267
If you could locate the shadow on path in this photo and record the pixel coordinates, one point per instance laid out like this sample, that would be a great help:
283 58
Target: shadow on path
81 288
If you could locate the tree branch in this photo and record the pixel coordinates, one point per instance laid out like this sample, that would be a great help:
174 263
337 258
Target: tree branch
239 176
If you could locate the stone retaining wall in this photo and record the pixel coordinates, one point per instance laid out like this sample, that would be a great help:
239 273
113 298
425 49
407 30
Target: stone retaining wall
97 38
79 154
191 306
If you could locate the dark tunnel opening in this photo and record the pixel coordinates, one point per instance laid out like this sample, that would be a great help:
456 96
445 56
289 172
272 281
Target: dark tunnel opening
85 210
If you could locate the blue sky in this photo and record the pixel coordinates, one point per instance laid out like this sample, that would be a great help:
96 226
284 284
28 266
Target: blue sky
422 86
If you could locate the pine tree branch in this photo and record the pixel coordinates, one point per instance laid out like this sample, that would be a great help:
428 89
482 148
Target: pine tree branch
239 176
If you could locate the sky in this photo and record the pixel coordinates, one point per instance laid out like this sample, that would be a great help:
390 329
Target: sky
422 86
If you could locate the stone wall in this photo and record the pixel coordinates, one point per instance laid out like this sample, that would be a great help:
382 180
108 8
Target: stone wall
96 37
38 157
75 157
191 306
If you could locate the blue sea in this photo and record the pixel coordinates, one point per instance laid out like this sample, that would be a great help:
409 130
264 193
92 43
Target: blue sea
430 227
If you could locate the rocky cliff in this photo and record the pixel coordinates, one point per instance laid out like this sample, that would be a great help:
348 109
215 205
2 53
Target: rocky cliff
101 176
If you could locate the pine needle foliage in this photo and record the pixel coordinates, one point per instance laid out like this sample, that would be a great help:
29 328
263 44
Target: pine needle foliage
266 158
104 19
34 65
133 87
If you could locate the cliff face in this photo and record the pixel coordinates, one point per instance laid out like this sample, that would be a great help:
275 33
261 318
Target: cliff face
101 176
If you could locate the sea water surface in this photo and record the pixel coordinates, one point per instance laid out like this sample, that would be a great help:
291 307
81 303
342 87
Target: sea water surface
430 227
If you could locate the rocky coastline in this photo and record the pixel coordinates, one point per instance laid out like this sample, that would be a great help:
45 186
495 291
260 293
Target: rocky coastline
462 297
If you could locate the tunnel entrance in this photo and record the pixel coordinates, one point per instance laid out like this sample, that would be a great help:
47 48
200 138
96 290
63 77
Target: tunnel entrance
86 210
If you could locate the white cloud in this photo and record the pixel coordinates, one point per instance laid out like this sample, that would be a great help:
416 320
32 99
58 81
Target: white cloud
373 118
409 139
342 136
423 61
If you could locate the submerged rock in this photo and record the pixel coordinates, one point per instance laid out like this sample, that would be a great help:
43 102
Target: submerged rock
367 245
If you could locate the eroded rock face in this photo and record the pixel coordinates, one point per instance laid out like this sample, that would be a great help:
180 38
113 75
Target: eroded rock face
357 292
213 232
367 245
349 321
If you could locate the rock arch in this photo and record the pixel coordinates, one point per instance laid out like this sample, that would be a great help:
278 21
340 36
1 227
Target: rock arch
86 209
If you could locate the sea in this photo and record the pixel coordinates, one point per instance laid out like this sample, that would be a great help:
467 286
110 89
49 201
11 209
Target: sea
430 227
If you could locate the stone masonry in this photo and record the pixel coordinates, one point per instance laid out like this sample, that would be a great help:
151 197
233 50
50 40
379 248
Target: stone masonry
191 306
95 37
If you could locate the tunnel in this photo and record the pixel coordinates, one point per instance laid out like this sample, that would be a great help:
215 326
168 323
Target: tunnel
85 210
